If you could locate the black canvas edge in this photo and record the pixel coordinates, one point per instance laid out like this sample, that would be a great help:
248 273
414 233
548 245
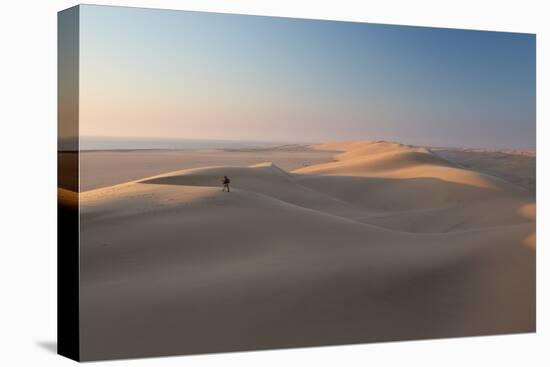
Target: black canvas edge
68 263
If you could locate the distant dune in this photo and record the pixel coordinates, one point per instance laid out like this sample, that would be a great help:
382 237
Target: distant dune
413 189
516 166
384 242
106 168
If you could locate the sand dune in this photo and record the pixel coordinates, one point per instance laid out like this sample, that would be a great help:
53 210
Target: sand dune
388 242
106 168
516 166
393 160
413 189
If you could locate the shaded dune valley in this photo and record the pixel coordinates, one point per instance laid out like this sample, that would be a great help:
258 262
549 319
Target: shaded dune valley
381 242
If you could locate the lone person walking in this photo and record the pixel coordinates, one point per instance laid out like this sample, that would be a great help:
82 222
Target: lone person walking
226 182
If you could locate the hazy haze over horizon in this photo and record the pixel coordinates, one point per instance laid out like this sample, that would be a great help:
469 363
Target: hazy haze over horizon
153 74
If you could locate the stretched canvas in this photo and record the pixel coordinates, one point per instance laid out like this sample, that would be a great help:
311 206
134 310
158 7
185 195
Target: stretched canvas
234 182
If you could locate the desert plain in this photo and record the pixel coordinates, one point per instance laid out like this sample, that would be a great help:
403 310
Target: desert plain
336 243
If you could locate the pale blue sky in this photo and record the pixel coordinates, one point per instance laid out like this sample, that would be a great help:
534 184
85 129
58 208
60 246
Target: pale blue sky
191 75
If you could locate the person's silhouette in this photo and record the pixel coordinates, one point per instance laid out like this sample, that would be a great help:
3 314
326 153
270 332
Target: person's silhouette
226 182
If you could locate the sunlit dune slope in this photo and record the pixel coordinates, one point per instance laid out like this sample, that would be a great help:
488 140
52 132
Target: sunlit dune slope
413 189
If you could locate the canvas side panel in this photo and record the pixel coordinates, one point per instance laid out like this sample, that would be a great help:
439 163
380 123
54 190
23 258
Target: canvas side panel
68 341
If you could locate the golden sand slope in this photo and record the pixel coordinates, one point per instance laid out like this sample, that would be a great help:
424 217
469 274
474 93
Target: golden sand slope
412 189
332 253
516 166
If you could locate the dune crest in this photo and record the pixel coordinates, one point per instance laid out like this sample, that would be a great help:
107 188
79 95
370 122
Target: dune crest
394 160
413 189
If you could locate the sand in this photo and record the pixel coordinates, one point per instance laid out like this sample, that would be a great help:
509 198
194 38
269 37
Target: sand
111 167
381 242
516 166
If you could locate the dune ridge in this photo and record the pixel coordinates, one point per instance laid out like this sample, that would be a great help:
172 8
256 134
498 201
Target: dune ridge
387 242
413 189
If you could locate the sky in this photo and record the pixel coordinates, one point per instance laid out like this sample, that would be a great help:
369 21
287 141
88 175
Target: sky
148 73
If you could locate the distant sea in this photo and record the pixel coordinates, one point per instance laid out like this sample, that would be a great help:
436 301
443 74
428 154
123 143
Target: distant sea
108 143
